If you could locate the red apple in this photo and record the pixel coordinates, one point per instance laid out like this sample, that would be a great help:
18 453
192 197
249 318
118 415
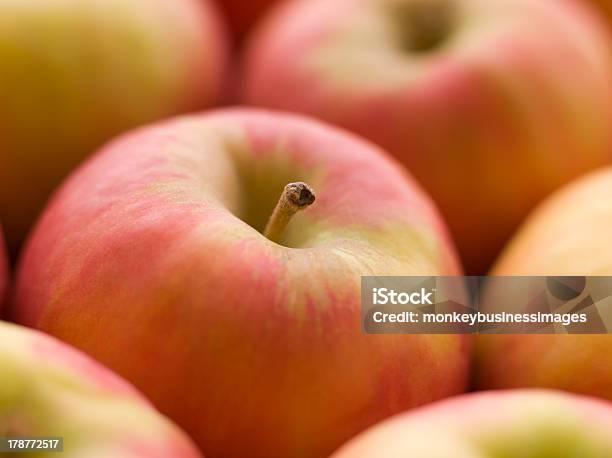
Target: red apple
151 259
48 389
520 423
243 15
569 234
74 73
491 104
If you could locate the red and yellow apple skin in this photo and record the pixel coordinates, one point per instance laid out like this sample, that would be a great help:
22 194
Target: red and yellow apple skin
514 103
49 389
569 234
74 73
513 423
149 258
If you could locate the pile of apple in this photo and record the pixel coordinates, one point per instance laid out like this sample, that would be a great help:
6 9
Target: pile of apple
193 287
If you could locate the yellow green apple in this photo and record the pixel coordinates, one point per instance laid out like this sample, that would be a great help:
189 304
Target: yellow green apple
513 423
74 73
50 390
569 234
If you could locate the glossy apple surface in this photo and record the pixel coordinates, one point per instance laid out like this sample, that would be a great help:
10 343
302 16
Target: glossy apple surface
514 423
510 102
567 235
74 73
48 389
151 259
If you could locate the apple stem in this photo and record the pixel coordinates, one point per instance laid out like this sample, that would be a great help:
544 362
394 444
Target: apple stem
425 24
295 197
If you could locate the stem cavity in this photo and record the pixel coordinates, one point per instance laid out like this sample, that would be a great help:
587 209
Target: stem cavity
424 24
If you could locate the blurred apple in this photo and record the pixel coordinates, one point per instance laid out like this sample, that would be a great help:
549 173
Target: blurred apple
243 15
569 234
491 104
520 423
48 389
151 258
75 72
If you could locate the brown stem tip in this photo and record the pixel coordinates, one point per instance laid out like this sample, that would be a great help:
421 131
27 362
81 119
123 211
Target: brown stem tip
295 197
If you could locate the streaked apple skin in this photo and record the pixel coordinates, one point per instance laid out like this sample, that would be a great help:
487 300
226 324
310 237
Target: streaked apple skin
513 423
255 348
49 389
517 101
74 73
569 234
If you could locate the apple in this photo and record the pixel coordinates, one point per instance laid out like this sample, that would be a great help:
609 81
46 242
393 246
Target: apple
567 235
74 73
49 389
243 15
151 258
491 104
514 423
